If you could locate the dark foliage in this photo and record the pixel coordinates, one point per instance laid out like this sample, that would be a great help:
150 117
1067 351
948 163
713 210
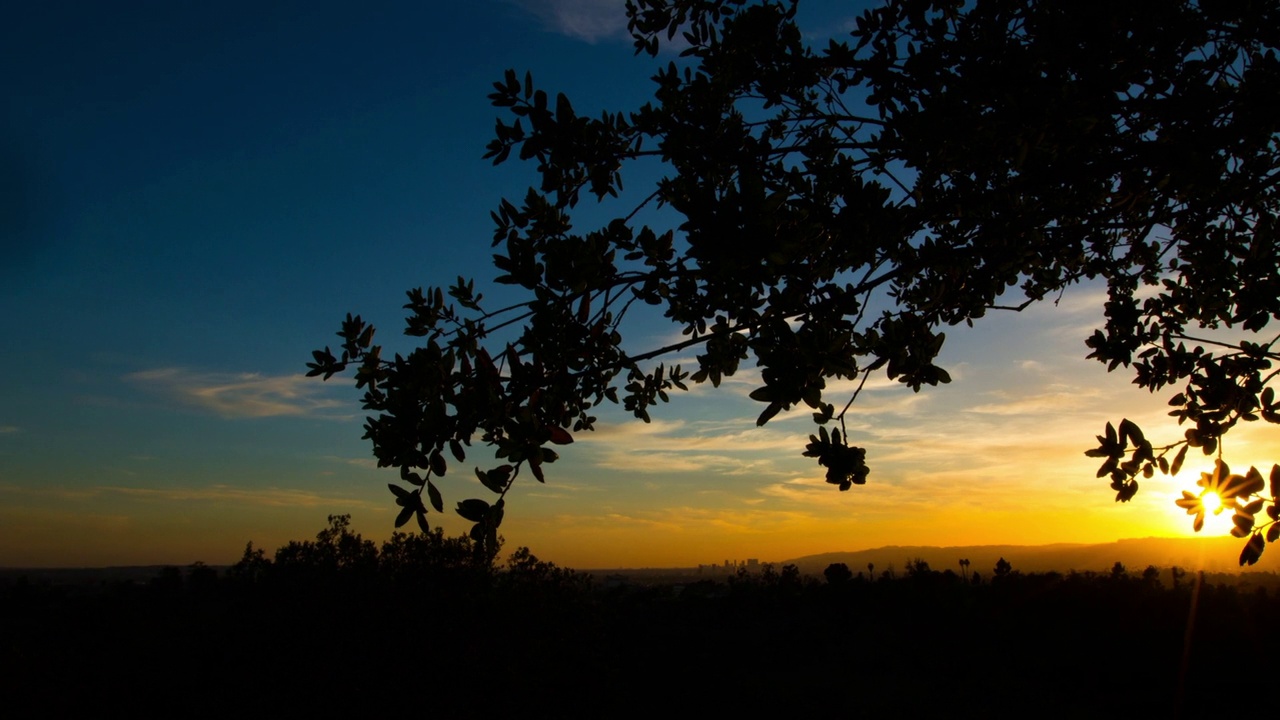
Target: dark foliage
837 208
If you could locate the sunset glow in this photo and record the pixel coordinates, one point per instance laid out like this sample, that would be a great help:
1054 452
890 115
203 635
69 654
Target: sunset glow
204 211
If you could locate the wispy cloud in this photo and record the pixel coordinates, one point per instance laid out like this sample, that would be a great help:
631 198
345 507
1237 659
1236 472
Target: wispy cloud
689 447
587 20
366 463
240 395
682 520
6 429
263 497
260 497
672 462
1044 403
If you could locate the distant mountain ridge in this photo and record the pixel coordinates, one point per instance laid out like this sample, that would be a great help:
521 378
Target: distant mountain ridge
1211 554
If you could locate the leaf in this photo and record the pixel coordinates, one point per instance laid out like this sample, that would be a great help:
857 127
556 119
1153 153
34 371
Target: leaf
422 523
496 479
404 516
399 492
1130 432
473 509
412 478
1127 491
437 463
1253 483
1252 550
433 494
1243 525
768 414
560 436
1177 460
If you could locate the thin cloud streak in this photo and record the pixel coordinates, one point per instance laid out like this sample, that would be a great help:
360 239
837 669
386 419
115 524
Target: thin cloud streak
587 20
1045 403
684 519
239 395
689 447
669 463
259 497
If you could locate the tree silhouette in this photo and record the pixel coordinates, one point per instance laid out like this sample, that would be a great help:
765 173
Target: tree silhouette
253 566
837 574
335 550
1151 575
838 207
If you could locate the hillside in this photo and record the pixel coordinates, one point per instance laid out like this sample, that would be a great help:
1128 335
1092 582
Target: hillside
1211 554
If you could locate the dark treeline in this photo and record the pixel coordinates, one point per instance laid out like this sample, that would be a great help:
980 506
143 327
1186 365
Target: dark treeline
426 624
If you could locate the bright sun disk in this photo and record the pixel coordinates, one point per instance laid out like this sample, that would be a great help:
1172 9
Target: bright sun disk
1211 502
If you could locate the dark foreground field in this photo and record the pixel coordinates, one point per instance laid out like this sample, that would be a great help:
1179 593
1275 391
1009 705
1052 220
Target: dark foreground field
406 632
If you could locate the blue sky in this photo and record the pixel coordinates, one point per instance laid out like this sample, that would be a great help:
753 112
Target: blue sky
196 194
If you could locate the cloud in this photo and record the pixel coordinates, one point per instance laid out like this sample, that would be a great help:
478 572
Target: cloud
1045 403
260 497
735 448
6 429
628 428
644 461
366 463
587 20
264 497
685 520
238 395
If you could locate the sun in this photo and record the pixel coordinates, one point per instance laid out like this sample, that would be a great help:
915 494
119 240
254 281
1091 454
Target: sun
1211 501
1209 515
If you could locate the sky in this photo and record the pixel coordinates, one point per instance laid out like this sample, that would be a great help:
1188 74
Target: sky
195 194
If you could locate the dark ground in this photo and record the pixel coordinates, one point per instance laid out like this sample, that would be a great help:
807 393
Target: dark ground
554 646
